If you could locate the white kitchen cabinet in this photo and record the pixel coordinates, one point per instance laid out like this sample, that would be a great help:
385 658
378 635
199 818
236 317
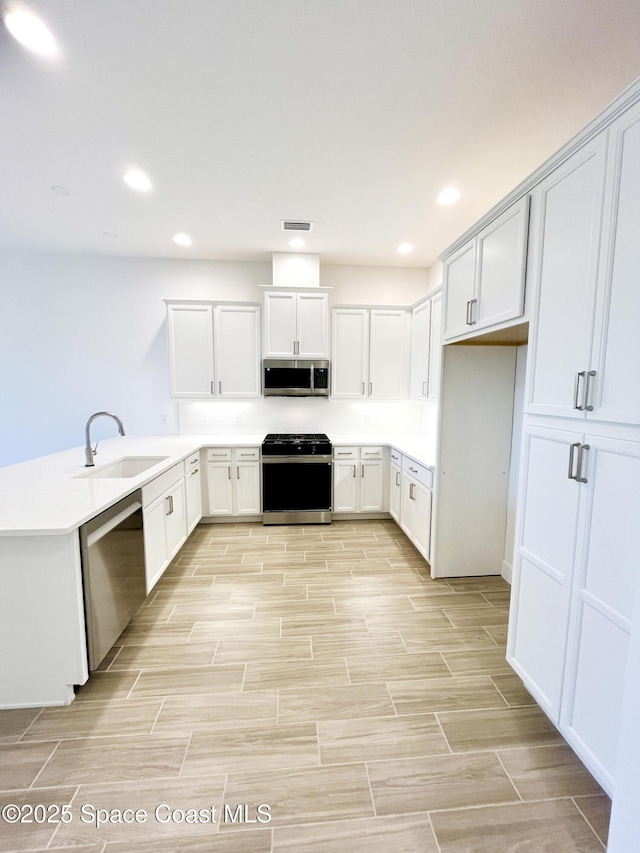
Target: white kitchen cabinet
233 481
214 350
165 523
193 490
395 486
426 348
190 329
370 353
484 279
237 350
415 505
585 346
296 324
435 347
358 479
576 559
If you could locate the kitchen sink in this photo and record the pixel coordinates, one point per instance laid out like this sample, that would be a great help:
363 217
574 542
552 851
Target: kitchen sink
128 466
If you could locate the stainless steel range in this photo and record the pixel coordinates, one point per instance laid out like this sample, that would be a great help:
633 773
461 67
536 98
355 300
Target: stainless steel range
296 478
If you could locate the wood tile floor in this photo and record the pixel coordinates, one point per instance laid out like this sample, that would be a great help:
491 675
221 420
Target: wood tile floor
318 671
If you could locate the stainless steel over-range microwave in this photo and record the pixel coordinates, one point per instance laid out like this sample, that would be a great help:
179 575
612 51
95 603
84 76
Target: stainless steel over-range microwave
300 377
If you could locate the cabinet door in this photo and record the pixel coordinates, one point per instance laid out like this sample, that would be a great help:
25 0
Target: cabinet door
193 498
247 488
372 486
345 486
155 549
407 505
459 290
394 493
350 359
279 325
617 343
420 349
175 520
605 579
219 488
190 350
502 254
312 330
565 255
238 350
387 354
435 347
544 560
421 533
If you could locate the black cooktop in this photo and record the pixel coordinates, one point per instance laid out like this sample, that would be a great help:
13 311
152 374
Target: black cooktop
295 443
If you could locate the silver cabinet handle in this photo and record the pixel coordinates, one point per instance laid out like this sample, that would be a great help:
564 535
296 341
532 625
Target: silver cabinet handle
411 488
575 471
220 387
354 471
252 455
195 471
370 388
212 391
587 391
471 321
415 470
580 478
362 474
238 472
397 478
424 388
576 391
229 471
344 453
167 502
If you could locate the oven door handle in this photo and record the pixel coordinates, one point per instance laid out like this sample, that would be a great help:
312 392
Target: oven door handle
302 460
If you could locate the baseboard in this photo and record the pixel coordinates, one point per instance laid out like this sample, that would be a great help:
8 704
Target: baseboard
507 571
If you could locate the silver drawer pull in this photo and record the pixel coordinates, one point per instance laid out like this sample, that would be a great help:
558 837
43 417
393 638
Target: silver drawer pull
229 471
415 470
581 460
397 478
344 453
195 471
576 392
411 488
587 392
354 470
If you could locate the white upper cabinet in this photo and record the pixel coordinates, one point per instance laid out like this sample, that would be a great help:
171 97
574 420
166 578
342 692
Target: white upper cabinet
296 324
484 279
565 267
420 347
370 353
214 350
426 348
586 348
237 350
191 350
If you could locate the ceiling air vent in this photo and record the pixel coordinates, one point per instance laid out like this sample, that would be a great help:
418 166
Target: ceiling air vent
296 225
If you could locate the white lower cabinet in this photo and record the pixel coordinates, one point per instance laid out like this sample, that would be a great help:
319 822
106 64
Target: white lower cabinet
165 523
574 583
233 481
358 479
415 505
193 490
395 475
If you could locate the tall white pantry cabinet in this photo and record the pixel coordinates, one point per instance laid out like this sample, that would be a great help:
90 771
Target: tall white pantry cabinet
577 554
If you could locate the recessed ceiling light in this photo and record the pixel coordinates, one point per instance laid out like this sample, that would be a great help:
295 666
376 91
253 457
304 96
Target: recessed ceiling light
182 239
137 180
110 234
296 243
450 195
405 248
59 190
31 32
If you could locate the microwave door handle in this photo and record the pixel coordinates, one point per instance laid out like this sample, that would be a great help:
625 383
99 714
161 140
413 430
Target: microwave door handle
313 376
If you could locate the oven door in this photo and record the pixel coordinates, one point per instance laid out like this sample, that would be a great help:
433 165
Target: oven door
296 490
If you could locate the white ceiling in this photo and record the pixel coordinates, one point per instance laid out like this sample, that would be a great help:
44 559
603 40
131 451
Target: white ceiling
351 113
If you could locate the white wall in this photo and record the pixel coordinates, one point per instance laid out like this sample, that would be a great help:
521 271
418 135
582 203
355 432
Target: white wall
79 334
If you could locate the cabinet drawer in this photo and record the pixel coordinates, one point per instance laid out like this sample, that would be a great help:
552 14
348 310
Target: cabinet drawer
218 454
244 454
161 484
419 472
191 462
346 452
373 452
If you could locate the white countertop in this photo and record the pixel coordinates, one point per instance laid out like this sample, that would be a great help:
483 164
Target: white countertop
46 496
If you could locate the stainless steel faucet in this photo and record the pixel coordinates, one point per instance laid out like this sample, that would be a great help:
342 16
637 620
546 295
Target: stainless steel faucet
89 452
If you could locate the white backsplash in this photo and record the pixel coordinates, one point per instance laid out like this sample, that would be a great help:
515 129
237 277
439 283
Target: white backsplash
290 414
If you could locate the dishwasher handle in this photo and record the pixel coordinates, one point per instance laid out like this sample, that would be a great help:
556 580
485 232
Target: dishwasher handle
97 534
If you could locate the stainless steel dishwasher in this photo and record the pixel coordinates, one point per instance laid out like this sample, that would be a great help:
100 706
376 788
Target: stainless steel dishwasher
113 573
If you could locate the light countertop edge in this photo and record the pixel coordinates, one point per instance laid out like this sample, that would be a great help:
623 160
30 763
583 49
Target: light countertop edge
49 495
